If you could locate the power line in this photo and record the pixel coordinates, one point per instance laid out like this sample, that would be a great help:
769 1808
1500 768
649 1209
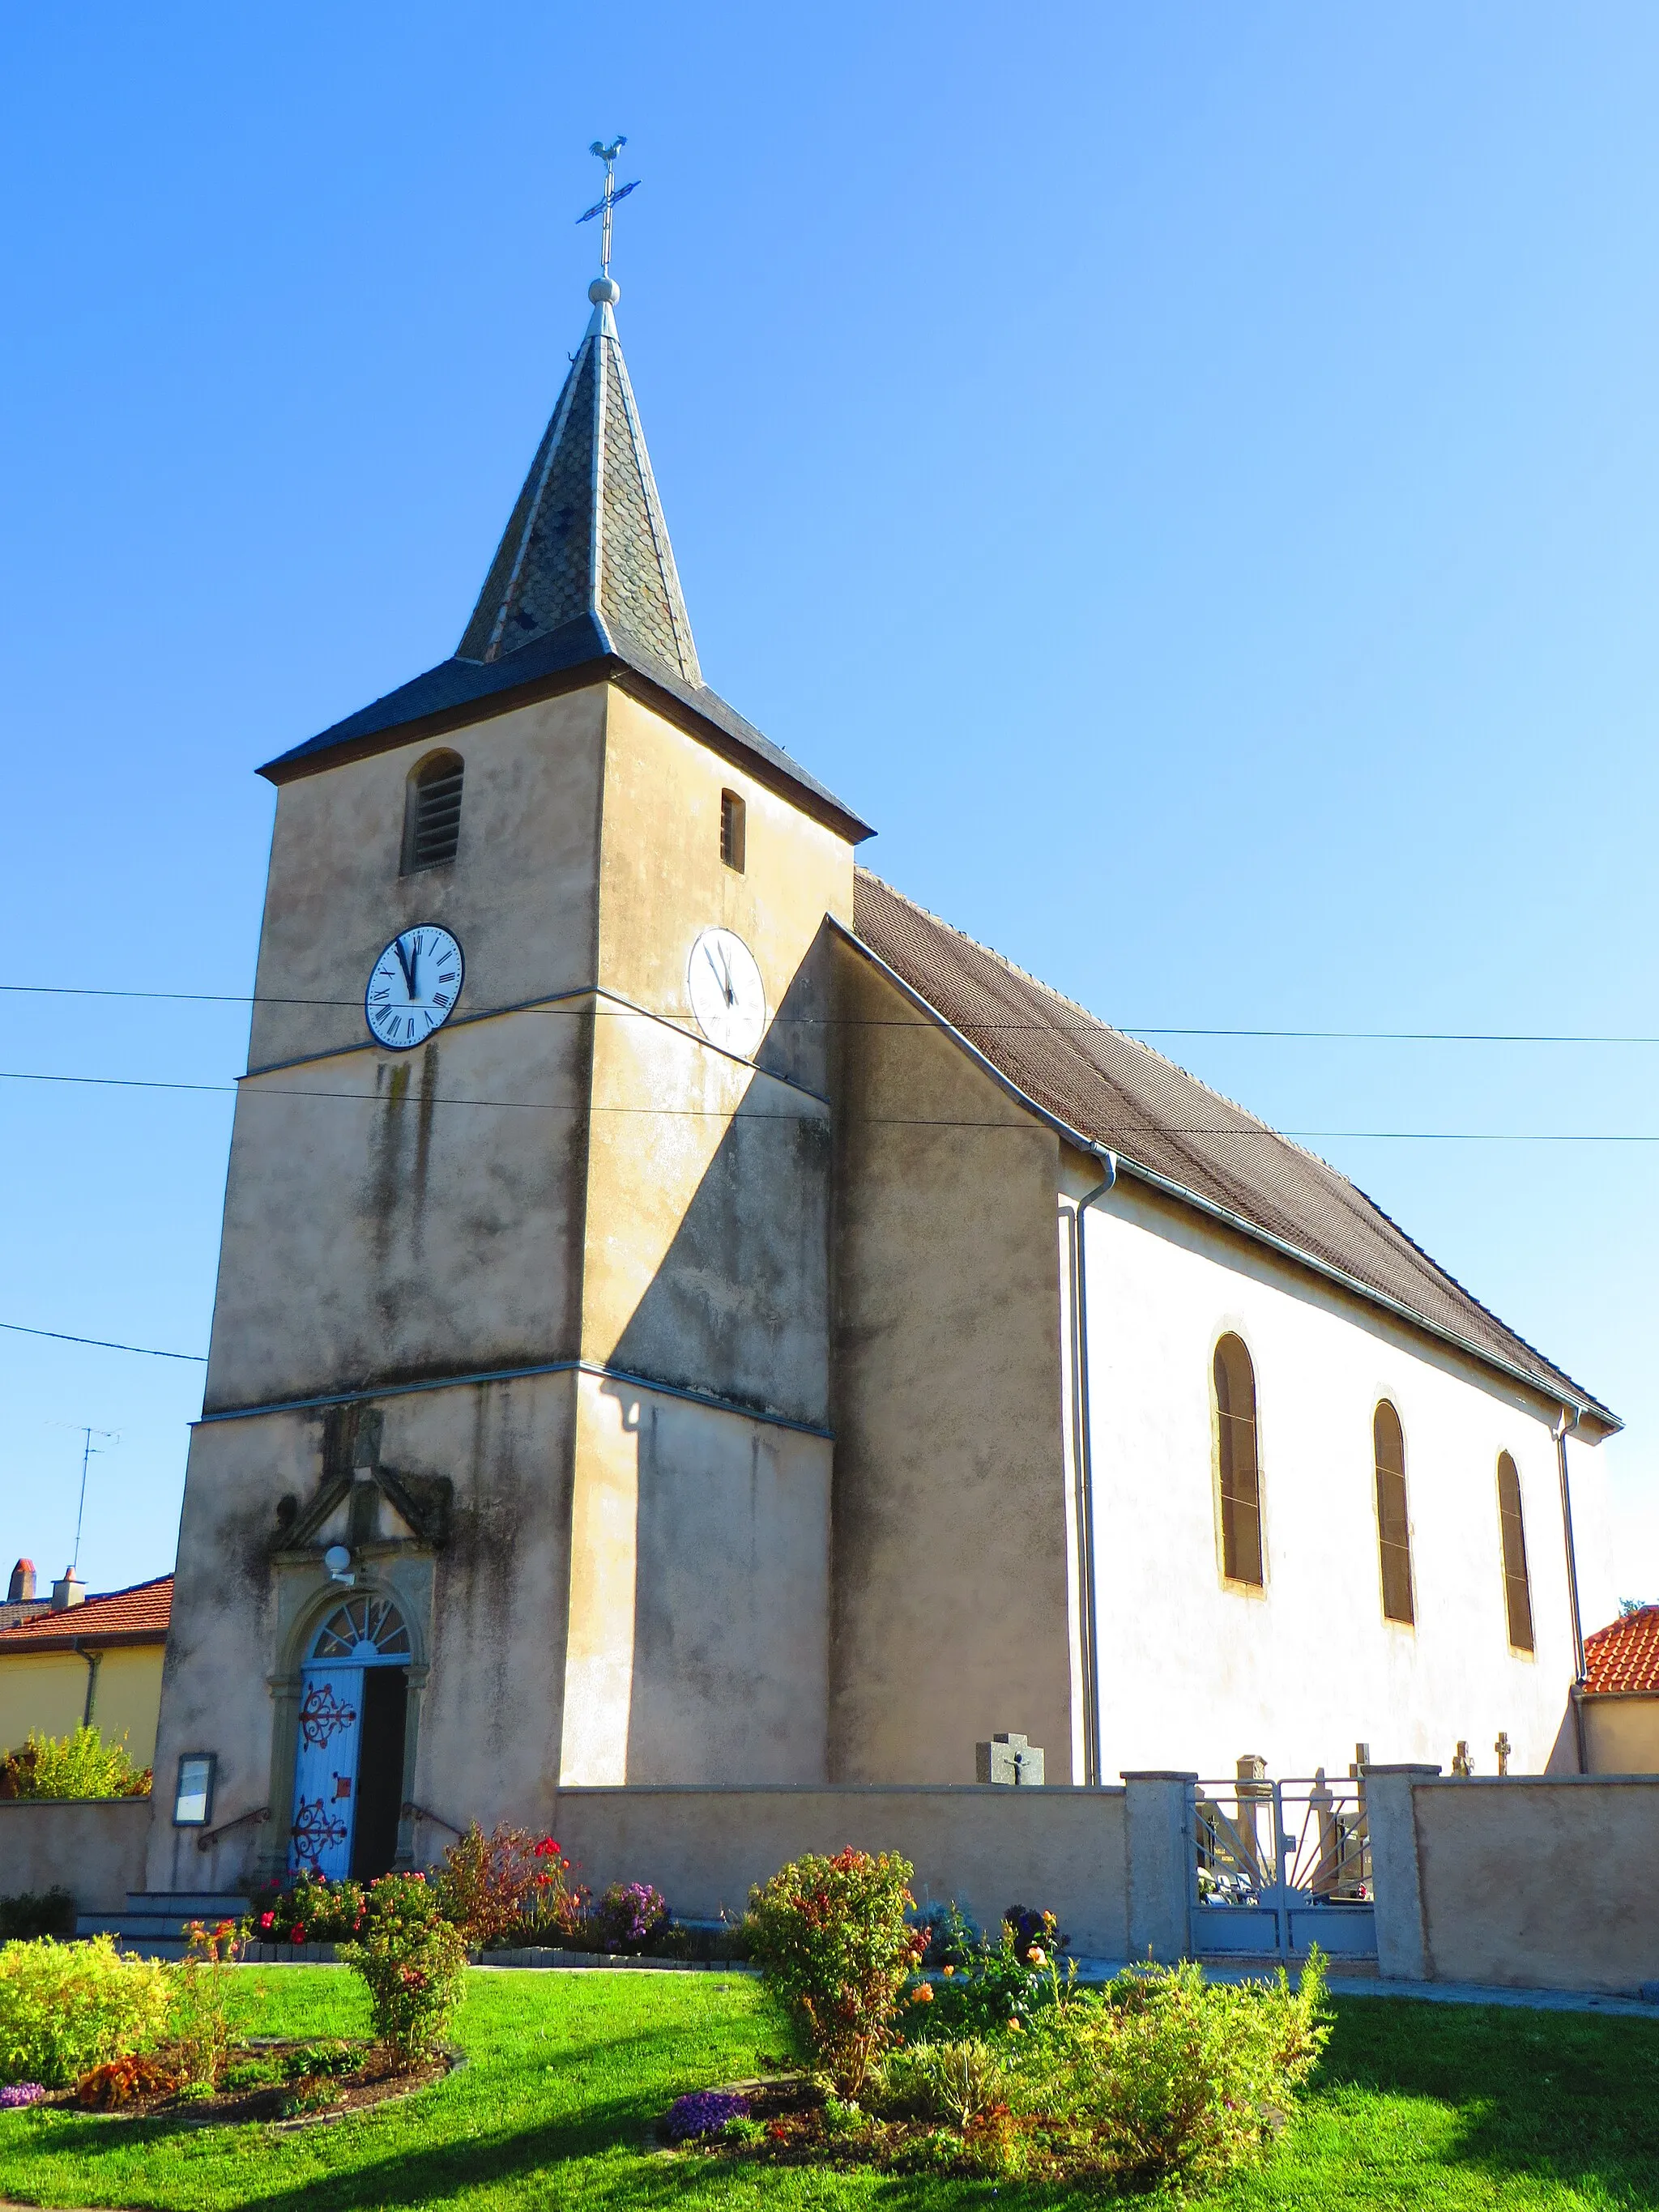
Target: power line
1125 1131
103 1344
861 1021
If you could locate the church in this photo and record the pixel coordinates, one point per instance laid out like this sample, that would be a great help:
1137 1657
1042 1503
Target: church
687 1315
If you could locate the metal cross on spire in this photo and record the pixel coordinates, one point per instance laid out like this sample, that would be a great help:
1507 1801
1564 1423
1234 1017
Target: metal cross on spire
613 193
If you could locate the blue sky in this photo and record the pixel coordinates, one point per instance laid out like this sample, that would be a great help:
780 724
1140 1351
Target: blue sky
1189 476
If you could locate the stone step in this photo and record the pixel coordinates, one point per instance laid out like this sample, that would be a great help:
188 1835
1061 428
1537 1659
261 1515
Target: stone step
157 1921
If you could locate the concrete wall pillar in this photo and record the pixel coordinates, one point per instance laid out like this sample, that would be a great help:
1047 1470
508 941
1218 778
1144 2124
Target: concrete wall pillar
1402 1946
1158 1834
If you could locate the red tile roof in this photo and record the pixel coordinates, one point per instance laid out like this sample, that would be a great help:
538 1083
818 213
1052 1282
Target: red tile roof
1624 1656
137 1615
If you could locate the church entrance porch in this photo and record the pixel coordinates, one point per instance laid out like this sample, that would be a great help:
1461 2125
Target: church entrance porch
349 1753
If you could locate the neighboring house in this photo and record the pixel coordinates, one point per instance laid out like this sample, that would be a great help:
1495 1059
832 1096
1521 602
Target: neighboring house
686 1314
1620 1703
90 1659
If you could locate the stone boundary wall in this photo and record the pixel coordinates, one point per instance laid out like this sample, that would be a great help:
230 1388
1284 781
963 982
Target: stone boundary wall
1540 1882
1062 1849
93 1846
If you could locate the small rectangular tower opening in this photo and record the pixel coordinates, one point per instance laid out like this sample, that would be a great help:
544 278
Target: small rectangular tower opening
733 838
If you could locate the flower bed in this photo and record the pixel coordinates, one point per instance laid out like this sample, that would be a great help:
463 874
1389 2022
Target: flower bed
264 2080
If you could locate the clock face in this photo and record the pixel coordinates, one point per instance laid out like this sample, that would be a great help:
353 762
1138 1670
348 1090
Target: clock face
728 995
413 986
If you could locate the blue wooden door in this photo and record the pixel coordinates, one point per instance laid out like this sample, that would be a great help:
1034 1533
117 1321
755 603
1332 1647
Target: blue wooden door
325 1769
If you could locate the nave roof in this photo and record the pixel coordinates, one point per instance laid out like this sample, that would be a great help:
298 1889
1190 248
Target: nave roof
1166 1127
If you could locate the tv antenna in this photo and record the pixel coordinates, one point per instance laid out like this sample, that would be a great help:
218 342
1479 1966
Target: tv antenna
613 193
88 1449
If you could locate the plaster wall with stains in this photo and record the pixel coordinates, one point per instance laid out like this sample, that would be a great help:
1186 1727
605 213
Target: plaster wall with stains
487 1610
700 1592
1195 1671
950 1596
393 1216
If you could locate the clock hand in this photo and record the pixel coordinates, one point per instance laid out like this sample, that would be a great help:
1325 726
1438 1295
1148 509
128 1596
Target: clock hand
715 967
406 961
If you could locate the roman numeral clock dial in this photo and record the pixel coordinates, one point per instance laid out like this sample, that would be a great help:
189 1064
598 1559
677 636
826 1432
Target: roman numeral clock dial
413 986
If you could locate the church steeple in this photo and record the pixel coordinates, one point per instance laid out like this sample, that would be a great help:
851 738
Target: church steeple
588 535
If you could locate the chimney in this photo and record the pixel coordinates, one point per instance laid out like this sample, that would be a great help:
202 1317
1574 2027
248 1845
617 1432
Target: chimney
23 1582
69 1591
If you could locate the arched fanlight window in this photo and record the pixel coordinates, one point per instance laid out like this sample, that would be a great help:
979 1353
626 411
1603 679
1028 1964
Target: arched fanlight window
432 812
1239 1484
1393 1540
365 1631
1517 1587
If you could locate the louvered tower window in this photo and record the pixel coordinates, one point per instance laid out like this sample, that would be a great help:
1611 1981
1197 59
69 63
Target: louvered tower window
432 818
1393 1540
1517 1587
732 830
1239 1486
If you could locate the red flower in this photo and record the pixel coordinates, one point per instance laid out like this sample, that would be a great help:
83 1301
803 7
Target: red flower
267 1920
297 1933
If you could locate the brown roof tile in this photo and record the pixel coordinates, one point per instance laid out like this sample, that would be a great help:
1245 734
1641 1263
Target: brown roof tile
1154 1116
137 1615
1624 1656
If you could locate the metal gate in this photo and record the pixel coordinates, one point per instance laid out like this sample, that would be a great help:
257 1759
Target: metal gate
1278 1866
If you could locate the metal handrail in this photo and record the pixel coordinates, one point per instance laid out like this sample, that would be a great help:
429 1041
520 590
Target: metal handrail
205 1840
411 1811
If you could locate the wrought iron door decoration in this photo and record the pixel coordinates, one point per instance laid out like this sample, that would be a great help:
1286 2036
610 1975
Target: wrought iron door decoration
323 1715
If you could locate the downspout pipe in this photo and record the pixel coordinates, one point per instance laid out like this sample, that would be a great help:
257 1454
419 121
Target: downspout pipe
1570 1416
1084 1461
94 1659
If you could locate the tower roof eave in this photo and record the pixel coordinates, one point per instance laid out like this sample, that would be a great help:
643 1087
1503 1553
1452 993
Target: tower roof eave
585 650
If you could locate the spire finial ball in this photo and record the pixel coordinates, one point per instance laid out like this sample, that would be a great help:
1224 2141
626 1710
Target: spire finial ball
604 291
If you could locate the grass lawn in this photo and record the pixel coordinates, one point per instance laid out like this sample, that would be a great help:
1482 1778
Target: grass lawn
1435 2105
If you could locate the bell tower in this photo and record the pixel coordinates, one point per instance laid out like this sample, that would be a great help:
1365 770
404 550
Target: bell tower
519 1386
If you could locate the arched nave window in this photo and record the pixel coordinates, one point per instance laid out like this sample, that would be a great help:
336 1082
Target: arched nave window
432 812
1517 1589
1394 1539
1239 1485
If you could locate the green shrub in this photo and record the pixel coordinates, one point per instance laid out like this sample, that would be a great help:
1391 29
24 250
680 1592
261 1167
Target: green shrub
955 2083
510 1888
78 1765
832 1942
49 1913
66 2008
980 1997
311 1909
413 1961
206 2012
1167 2077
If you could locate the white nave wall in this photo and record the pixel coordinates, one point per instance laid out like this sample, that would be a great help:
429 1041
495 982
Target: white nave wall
1195 1671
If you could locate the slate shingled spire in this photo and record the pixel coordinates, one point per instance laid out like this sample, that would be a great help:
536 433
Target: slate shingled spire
587 535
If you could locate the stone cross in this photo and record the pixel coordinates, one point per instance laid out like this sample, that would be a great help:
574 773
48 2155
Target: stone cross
1009 1759
1461 1763
1502 1747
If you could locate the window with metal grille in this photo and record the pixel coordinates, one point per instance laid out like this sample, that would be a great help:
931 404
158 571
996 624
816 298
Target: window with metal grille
1239 1482
1517 1587
733 832
432 817
1394 1538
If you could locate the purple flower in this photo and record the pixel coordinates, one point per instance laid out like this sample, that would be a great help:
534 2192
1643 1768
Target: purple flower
31 2092
704 2114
